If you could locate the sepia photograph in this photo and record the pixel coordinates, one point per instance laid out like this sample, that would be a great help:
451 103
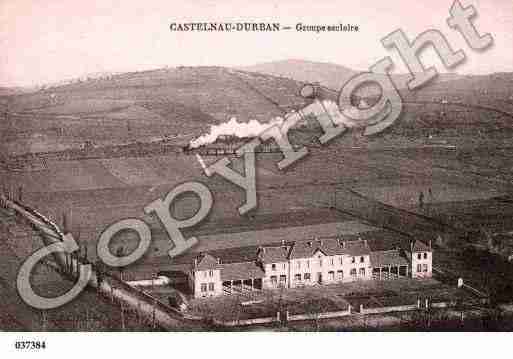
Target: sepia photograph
235 166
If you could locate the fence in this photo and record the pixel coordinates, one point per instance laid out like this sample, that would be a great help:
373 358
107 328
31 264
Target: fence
314 316
108 285
253 321
395 308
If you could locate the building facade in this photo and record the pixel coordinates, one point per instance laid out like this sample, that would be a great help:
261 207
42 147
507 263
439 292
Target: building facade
421 260
306 263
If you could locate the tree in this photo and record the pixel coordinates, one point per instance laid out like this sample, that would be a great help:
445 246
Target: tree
421 199
120 252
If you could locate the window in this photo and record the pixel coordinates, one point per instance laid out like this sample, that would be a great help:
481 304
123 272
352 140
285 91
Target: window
331 275
297 277
273 266
424 267
425 255
353 272
419 268
419 256
332 261
361 272
307 263
341 262
203 287
307 276
284 265
340 275
205 274
283 279
210 273
211 287
274 280
353 260
362 259
320 262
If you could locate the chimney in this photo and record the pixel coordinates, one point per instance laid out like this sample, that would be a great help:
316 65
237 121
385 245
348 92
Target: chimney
309 243
430 245
282 242
218 260
411 247
195 262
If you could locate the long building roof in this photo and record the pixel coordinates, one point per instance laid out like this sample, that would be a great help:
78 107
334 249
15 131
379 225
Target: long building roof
384 248
388 258
330 247
241 271
274 254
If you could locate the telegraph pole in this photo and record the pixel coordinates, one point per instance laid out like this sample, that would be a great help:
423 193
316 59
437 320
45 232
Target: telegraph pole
44 321
122 316
153 324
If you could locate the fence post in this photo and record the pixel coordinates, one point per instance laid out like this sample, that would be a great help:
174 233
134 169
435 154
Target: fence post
460 282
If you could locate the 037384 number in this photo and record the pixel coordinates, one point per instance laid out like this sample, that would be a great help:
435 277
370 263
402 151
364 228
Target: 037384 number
29 345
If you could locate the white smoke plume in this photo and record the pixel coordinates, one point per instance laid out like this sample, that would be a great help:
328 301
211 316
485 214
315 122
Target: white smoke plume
252 128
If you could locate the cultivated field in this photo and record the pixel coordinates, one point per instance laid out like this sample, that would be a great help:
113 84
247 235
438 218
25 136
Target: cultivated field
89 312
447 158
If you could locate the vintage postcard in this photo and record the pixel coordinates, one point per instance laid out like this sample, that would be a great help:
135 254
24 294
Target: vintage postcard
240 166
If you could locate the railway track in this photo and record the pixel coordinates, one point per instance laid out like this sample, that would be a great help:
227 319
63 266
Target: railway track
166 317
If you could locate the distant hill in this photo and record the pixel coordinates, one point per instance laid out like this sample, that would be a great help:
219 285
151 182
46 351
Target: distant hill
220 93
495 90
179 103
182 103
9 91
496 85
331 75
328 74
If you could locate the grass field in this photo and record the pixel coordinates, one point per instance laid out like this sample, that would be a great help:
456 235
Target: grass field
88 312
98 192
327 298
463 154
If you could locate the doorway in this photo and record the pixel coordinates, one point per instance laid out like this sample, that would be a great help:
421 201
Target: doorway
319 278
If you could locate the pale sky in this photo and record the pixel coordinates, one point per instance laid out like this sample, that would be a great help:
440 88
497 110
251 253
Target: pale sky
46 41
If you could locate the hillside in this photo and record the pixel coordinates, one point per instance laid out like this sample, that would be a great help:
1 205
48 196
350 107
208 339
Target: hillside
9 91
331 75
493 90
179 103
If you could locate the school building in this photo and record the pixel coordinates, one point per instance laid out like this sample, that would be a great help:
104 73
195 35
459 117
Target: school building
310 262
